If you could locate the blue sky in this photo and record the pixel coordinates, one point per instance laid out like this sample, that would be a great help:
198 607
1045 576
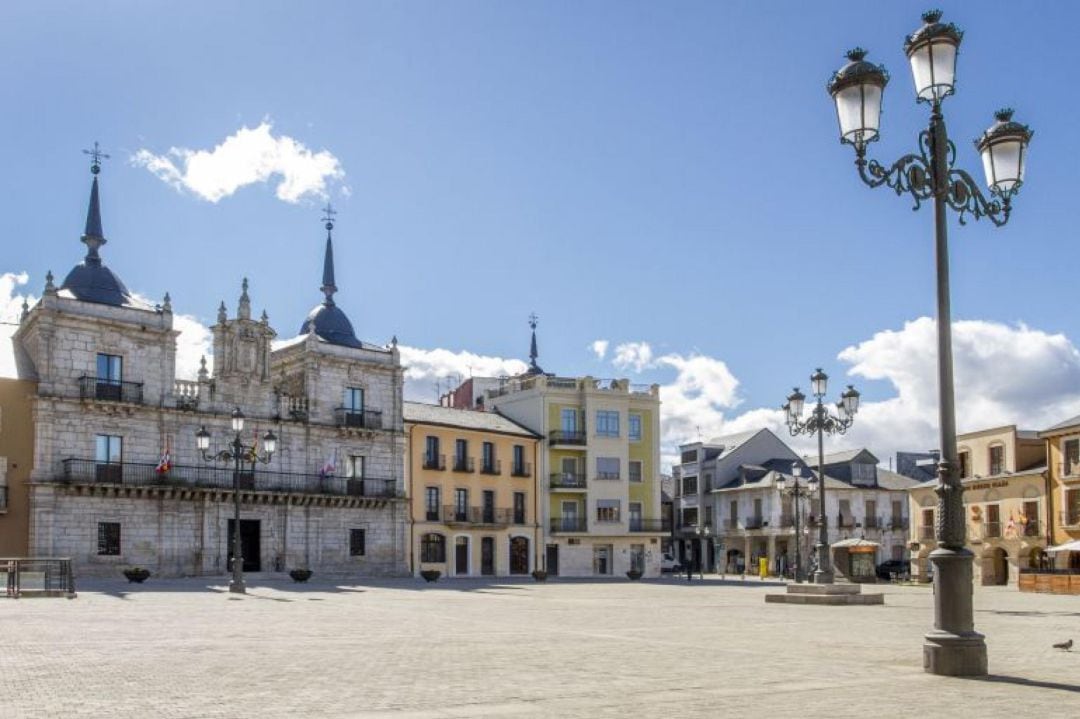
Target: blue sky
665 173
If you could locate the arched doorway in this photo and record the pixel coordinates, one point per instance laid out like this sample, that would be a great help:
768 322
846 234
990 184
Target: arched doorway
1039 559
519 555
995 567
736 563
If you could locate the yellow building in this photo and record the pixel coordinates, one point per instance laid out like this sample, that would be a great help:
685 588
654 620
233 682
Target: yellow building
1063 456
1005 505
472 492
16 461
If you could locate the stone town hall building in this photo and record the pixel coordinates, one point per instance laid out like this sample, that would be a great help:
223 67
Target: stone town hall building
117 478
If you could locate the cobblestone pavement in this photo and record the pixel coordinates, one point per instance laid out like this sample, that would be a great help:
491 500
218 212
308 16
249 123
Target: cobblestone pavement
186 648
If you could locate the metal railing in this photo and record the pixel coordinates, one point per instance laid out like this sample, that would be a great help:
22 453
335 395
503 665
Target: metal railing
649 525
898 523
358 418
524 469
435 461
492 467
464 464
37 576
110 390
732 523
452 514
569 524
146 474
926 532
992 530
1033 528
753 523
561 436
1071 517
568 480
1068 469
608 475
873 523
787 520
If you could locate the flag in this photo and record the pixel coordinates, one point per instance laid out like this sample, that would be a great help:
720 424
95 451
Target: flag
327 468
165 464
253 451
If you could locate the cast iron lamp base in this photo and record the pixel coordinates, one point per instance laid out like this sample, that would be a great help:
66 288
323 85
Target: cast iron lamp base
237 586
953 648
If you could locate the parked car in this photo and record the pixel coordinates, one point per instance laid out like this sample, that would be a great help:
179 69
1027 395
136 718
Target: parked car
668 563
894 568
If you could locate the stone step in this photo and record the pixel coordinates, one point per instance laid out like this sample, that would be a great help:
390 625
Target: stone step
832 599
827 589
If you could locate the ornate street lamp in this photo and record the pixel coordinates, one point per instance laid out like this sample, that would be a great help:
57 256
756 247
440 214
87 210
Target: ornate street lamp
702 531
237 453
797 492
821 422
953 647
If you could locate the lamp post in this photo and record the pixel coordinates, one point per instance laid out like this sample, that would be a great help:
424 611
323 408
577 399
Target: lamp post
797 492
821 422
953 647
702 532
237 453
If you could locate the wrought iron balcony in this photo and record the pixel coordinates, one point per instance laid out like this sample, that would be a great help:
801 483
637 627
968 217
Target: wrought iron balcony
486 516
649 525
358 418
898 523
873 523
753 523
1071 517
1033 528
607 475
992 530
568 480
787 520
492 467
147 474
926 533
110 390
571 525
1068 469
560 436
464 464
435 461
523 469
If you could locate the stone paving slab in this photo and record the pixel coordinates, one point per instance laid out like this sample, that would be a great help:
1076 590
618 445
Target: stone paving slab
466 648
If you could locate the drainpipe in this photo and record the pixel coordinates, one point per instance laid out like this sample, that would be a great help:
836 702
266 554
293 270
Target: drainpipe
409 501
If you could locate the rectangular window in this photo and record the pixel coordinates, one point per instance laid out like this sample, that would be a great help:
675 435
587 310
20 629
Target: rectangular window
965 464
356 542
689 485
635 517
569 420
635 470
997 460
993 520
488 457
431 504
354 399
461 504
519 460
607 467
433 548
108 539
109 448
844 518
1030 519
1071 450
110 368
519 508
354 466
462 461
689 517
733 510
432 459
634 428
689 455
489 506
870 513
607 423
637 557
607 510
1072 506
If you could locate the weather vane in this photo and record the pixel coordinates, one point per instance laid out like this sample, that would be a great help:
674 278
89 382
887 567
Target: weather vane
328 215
97 156
532 320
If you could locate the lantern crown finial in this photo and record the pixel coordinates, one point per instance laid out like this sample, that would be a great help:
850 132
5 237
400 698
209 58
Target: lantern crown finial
855 54
931 16
1004 114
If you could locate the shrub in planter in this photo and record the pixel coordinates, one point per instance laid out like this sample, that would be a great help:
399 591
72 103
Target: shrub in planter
634 574
430 575
300 575
137 575
539 575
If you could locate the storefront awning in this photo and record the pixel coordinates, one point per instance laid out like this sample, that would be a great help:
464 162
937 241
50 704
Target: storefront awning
1073 546
856 544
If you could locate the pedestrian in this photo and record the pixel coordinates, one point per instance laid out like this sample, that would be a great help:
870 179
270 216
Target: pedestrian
689 569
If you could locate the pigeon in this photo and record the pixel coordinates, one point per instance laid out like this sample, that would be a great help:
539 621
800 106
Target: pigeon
1067 646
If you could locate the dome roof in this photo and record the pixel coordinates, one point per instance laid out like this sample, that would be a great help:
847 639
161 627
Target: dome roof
91 280
330 324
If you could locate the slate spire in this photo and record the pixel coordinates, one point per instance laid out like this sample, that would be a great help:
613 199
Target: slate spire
93 236
533 353
328 287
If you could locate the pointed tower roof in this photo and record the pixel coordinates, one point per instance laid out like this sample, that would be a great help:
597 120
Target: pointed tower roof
533 353
91 280
326 321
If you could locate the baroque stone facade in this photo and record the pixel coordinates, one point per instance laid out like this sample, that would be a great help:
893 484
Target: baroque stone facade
118 479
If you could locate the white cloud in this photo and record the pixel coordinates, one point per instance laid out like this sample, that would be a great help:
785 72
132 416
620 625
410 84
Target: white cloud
424 368
599 348
635 356
10 309
194 342
251 155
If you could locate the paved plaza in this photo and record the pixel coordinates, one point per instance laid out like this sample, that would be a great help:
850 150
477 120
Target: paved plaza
186 648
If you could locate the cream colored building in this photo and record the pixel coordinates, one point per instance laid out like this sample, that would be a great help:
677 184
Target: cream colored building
472 492
1063 455
1004 474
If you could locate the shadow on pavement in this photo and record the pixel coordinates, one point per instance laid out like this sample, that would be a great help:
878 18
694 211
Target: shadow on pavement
1033 683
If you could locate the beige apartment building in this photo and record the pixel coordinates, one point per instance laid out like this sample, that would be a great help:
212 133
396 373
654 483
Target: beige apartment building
16 463
1004 472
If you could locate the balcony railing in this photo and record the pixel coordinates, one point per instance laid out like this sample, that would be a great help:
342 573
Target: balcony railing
435 461
569 524
464 464
898 523
523 469
491 467
992 530
753 523
568 480
845 522
1071 517
477 515
873 523
607 475
787 520
146 474
561 436
186 393
732 523
926 533
649 525
110 390
1069 469
1033 528
358 418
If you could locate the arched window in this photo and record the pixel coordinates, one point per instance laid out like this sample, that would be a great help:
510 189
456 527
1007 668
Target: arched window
433 548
